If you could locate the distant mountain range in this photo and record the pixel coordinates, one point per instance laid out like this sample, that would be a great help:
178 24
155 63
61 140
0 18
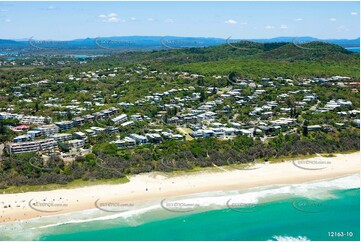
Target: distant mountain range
147 43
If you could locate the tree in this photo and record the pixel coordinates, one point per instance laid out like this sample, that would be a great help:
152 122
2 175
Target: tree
232 77
203 96
63 147
214 91
69 115
305 128
200 81
2 128
290 101
293 113
36 106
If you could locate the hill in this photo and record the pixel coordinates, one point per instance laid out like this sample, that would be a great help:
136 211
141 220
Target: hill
253 59
246 50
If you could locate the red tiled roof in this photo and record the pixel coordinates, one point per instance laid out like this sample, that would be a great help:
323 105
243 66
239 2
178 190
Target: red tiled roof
21 127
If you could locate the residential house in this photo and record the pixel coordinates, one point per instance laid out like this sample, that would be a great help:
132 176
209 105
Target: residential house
35 120
65 125
129 123
120 119
34 133
76 143
78 121
140 139
80 135
313 127
48 129
126 142
61 137
154 138
22 138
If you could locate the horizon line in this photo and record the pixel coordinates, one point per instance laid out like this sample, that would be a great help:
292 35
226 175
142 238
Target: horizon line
162 36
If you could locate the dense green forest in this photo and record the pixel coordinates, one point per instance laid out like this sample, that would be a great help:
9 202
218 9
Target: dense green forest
253 60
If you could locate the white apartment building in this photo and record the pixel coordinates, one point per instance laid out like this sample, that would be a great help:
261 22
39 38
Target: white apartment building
44 145
35 120
120 119
76 143
48 129
61 137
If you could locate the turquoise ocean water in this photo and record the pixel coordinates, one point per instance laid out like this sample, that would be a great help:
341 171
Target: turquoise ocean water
320 210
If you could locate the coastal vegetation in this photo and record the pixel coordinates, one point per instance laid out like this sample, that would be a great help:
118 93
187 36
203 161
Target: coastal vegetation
108 162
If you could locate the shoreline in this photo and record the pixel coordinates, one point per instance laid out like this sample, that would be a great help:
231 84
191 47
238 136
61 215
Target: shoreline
156 185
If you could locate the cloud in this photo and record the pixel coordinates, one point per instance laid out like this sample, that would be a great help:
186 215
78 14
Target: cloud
231 21
3 10
133 19
332 19
283 26
298 19
354 13
7 20
113 20
51 8
150 19
169 20
111 15
269 27
110 18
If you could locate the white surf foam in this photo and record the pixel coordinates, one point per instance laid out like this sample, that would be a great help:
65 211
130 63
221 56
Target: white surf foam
289 238
203 201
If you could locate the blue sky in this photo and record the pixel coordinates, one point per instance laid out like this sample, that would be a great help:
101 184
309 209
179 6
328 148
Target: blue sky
71 20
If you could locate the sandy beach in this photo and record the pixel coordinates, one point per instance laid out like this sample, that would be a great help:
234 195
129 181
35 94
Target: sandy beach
156 185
